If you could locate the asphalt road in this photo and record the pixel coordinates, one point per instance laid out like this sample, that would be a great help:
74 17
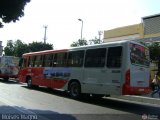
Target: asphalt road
19 102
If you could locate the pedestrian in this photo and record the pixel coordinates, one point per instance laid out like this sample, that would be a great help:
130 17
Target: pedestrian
156 84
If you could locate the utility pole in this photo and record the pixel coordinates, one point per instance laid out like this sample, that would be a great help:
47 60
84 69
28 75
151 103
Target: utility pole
45 31
99 34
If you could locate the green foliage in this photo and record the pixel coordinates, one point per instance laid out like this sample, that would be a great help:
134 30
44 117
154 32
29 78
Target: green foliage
84 42
95 41
11 10
80 42
18 48
9 49
154 49
39 46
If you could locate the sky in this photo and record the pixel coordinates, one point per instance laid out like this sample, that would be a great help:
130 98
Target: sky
61 17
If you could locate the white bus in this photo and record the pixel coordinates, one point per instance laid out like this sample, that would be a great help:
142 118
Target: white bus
114 68
9 67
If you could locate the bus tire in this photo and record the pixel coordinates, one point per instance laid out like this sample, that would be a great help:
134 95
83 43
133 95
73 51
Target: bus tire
6 79
29 82
75 90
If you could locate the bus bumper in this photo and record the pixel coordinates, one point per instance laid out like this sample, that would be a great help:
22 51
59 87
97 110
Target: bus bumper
128 90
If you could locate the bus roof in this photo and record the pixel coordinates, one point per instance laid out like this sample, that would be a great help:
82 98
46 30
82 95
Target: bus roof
44 52
81 47
105 44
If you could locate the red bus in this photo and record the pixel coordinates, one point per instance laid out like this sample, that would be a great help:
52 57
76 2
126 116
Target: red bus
114 68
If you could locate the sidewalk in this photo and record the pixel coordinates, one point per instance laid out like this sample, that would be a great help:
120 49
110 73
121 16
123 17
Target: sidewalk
145 99
149 96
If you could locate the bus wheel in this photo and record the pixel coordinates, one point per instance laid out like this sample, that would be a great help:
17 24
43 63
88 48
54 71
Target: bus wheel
75 90
6 79
29 83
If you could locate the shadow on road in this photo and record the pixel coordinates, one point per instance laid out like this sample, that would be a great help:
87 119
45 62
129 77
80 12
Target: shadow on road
126 106
20 113
10 81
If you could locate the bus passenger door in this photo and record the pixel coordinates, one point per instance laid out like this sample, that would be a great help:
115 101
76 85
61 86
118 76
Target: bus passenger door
94 71
114 70
94 81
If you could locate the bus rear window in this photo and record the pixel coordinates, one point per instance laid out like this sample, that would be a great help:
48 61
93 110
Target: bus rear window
139 55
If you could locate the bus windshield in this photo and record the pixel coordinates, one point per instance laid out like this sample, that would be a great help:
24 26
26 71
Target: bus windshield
139 54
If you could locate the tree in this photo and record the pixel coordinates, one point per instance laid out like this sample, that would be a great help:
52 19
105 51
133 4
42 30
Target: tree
154 49
84 42
11 10
80 42
95 41
18 48
9 49
39 46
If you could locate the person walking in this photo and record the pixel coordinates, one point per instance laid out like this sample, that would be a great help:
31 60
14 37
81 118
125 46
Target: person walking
156 84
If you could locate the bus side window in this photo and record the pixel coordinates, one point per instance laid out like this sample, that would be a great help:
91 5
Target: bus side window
55 60
48 60
29 62
34 61
25 62
38 61
95 57
75 58
114 57
60 60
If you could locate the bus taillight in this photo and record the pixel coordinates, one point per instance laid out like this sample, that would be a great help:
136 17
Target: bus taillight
127 77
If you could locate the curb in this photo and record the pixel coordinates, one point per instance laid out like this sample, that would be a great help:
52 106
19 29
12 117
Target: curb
141 99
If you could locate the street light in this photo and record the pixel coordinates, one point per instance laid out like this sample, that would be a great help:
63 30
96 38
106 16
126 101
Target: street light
81 27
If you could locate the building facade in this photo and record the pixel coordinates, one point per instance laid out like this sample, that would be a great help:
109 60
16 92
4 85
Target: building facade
148 30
